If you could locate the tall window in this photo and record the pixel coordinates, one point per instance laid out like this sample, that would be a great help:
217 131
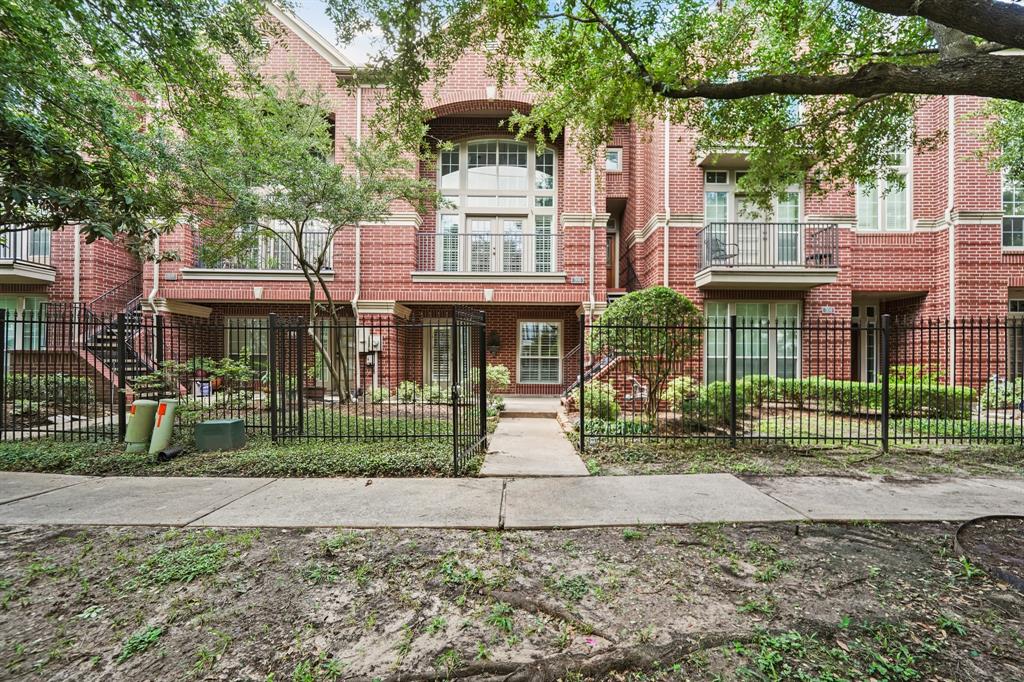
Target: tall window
247 337
540 353
437 351
885 205
1015 339
1013 213
762 235
500 218
768 340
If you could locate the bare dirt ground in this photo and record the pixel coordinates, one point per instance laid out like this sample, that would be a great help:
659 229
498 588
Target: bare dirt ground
758 602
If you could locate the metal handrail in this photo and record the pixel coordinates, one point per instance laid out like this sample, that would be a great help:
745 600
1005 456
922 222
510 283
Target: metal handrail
489 252
755 244
25 246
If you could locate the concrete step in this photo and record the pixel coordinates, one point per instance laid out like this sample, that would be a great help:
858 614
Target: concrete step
520 407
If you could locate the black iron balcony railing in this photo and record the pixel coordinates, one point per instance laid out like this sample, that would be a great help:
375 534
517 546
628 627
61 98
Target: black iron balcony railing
269 253
489 252
768 245
27 246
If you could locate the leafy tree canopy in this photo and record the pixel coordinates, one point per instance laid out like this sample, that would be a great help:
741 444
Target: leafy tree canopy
88 91
736 71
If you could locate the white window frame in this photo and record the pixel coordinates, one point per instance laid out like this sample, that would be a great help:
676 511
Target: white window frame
244 324
1017 187
430 327
519 352
883 198
773 338
613 159
461 210
731 188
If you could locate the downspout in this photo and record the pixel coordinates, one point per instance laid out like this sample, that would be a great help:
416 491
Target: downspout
151 298
76 273
668 208
593 226
950 203
358 228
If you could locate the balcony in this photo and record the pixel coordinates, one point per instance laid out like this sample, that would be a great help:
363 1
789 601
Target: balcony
489 257
792 256
268 258
25 258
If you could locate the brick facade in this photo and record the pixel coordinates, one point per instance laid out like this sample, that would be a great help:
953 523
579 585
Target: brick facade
907 272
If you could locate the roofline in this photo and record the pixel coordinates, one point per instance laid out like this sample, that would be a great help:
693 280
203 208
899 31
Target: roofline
337 60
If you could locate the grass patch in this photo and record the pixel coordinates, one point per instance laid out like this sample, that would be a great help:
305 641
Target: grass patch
138 642
260 458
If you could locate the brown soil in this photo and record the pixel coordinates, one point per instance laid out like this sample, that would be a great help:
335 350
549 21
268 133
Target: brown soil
705 602
996 544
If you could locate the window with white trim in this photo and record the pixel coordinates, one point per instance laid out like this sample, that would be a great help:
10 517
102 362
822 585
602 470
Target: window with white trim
613 159
768 340
499 217
437 351
540 352
26 329
247 337
885 205
1013 213
734 217
1015 339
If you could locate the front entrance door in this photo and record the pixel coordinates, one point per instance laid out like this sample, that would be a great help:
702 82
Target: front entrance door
750 232
612 256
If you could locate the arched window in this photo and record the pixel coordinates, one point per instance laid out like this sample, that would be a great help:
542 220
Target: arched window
499 212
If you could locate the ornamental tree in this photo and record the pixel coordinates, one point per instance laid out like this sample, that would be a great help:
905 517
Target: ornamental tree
819 91
88 91
655 330
262 168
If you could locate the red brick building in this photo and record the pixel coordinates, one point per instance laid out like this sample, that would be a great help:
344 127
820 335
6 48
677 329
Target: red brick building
538 238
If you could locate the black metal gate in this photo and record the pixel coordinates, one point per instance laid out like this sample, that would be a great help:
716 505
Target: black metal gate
469 384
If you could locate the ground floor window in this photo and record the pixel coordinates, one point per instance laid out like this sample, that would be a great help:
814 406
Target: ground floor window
437 351
540 352
1015 339
27 332
768 339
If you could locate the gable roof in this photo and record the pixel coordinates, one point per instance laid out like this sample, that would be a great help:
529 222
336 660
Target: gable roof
338 62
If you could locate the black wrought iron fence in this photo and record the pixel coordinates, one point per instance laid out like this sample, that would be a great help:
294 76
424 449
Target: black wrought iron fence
73 375
828 383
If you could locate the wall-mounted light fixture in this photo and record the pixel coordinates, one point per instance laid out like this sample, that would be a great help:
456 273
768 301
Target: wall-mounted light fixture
493 342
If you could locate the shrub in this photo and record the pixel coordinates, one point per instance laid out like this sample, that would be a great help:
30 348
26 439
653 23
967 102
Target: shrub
599 401
618 427
379 395
62 390
407 391
435 394
680 391
498 379
1002 393
915 373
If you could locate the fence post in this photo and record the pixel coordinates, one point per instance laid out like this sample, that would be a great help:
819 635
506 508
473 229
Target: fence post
582 383
454 393
272 370
732 380
886 327
122 378
158 321
300 369
483 378
3 372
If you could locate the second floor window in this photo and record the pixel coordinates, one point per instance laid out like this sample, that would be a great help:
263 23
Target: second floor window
1013 213
499 212
886 205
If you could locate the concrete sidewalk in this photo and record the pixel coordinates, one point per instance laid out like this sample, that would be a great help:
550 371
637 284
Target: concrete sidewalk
566 502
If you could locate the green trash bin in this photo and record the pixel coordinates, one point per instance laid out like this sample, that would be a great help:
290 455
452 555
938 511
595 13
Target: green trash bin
139 428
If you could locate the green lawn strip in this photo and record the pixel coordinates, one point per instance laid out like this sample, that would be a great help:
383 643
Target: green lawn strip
260 458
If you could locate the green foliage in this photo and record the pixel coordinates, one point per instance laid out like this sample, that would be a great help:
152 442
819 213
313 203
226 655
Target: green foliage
76 80
198 557
138 642
1000 394
498 379
654 330
408 391
61 390
599 401
619 427
380 395
680 391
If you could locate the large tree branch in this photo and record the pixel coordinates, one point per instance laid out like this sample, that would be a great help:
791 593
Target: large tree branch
997 20
984 76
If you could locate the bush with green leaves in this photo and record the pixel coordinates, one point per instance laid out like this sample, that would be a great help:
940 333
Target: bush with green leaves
407 392
436 394
598 401
61 390
656 330
1003 394
680 392
498 379
380 395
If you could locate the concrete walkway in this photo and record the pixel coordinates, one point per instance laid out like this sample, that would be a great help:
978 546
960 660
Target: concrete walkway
573 502
529 442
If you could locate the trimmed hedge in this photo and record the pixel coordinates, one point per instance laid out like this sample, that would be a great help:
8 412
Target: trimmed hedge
930 399
63 390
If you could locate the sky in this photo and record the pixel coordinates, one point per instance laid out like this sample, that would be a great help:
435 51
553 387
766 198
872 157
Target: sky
314 14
